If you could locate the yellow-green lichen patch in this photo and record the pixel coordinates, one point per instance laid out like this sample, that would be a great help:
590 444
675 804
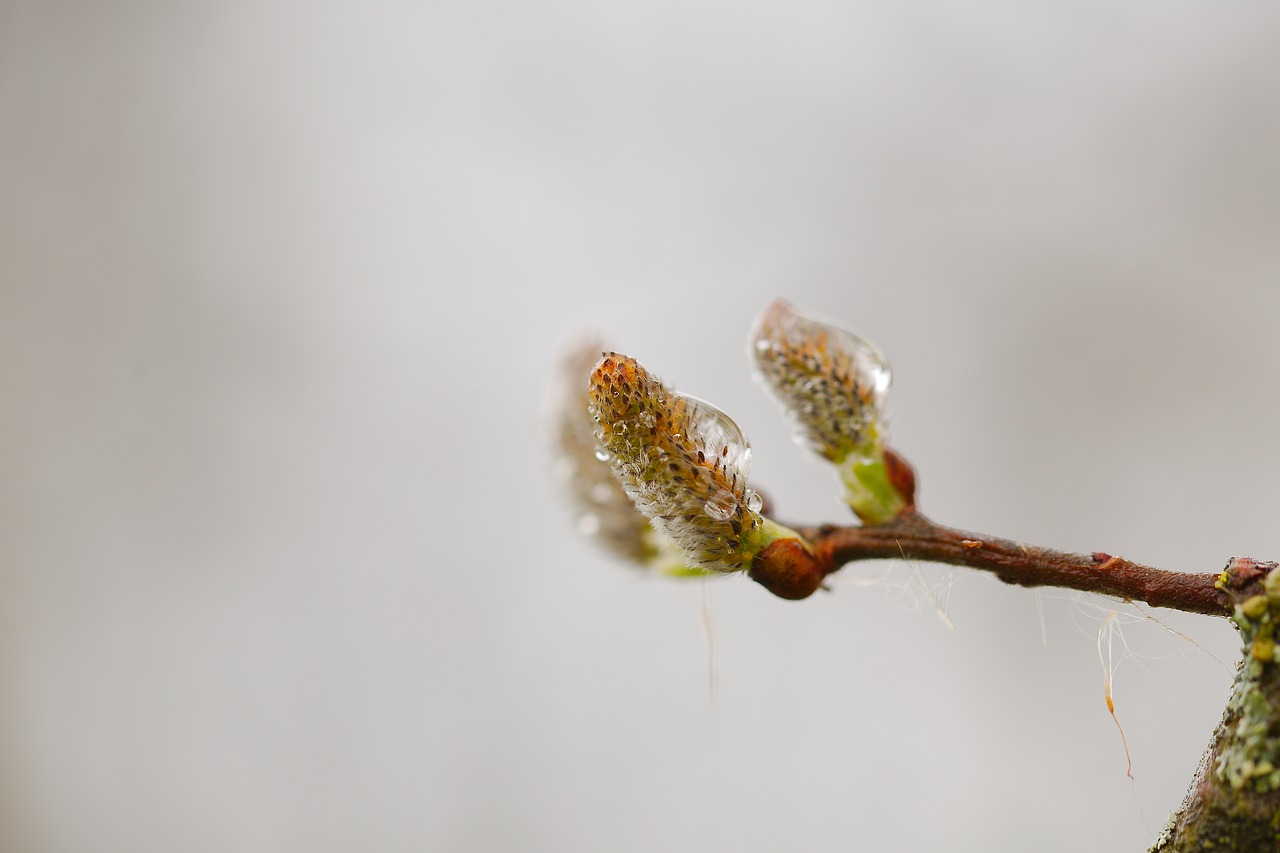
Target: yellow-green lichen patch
1271 585
1250 754
1255 608
1165 838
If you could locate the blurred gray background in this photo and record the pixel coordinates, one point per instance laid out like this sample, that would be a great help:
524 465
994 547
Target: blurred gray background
283 285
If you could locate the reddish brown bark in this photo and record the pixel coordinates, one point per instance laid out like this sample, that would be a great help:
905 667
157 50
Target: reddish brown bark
912 536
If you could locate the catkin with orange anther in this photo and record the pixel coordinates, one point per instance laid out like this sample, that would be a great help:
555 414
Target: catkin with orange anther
684 464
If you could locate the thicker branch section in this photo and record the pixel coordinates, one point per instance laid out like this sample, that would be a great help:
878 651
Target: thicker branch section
914 537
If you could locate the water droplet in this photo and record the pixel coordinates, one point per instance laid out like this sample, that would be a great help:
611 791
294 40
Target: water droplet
589 524
603 455
872 366
721 505
763 344
647 419
883 378
754 501
716 431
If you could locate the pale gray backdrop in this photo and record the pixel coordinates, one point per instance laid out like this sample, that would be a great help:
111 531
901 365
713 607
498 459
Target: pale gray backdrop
281 567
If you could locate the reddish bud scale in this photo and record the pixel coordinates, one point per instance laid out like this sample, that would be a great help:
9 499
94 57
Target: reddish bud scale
902 476
788 570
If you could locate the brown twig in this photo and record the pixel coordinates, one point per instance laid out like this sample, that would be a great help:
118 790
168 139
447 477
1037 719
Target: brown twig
914 537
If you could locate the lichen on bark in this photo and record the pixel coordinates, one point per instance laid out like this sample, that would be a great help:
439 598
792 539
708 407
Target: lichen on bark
1234 801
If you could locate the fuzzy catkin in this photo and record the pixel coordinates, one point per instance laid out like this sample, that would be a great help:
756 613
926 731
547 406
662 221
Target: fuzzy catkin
831 383
683 462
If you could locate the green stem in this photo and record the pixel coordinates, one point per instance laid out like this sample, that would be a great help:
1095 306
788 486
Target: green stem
867 488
